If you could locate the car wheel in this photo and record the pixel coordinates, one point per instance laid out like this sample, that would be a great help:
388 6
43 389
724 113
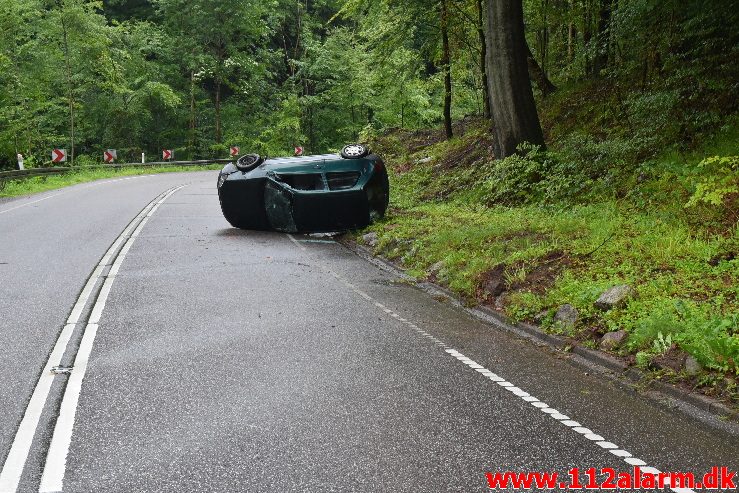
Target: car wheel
354 151
378 194
249 161
234 219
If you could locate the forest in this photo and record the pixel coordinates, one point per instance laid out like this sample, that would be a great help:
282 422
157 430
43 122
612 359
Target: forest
627 170
198 76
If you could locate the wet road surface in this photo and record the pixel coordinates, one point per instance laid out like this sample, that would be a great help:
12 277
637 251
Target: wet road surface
212 359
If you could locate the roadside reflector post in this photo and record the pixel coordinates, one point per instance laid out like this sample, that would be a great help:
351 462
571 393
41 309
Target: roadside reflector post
20 162
143 158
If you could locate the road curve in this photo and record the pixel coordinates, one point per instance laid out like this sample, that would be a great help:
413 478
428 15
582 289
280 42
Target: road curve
227 360
49 243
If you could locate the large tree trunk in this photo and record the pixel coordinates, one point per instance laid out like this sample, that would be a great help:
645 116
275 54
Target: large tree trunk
515 119
571 34
446 63
538 75
600 61
587 36
483 56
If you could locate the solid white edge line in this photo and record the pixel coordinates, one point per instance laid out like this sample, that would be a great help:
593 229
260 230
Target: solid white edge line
52 478
67 191
16 460
97 309
30 203
56 458
74 316
12 469
292 238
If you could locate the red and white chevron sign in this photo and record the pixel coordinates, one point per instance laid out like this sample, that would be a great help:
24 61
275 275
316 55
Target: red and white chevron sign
110 155
167 153
235 151
58 155
299 151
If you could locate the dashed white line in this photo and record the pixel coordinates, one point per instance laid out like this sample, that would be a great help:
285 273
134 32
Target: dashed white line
525 396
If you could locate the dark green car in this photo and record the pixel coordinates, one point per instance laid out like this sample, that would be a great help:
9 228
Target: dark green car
331 192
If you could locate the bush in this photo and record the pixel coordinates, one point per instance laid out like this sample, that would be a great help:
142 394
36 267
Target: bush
712 340
719 182
517 179
582 168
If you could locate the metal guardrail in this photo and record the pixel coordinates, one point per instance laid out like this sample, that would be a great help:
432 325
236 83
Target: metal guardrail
28 173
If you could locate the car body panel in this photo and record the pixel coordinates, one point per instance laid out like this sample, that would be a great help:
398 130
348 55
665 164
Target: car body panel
305 194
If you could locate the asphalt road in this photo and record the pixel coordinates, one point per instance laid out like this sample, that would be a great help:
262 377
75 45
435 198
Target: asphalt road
226 360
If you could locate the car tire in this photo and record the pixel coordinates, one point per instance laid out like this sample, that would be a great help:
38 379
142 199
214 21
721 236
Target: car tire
378 194
354 151
248 162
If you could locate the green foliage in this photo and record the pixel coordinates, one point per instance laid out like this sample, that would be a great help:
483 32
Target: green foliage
200 75
712 339
582 168
83 175
472 213
715 343
720 179
623 194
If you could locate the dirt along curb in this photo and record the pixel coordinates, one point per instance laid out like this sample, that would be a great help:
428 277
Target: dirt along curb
708 411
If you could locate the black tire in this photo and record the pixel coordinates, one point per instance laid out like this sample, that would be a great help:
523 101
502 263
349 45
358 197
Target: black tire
235 221
354 151
248 162
378 195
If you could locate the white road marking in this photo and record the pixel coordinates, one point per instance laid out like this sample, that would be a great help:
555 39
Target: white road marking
74 316
67 191
12 470
52 478
30 203
573 425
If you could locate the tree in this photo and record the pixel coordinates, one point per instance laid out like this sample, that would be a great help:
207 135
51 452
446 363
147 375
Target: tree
215 40
538 75
447 68
483 58
513 109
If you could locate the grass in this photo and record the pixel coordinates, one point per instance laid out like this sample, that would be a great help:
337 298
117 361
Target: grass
38 184
681 262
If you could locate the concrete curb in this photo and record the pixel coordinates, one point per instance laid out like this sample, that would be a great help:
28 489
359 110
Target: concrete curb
695 405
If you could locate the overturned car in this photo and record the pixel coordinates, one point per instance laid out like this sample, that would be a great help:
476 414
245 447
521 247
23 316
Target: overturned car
330 192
